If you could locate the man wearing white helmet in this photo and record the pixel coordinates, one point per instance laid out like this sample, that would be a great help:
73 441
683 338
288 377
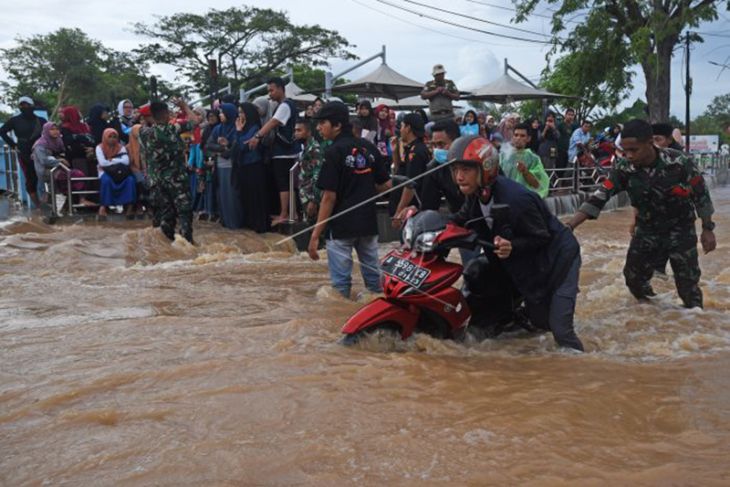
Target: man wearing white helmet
538 253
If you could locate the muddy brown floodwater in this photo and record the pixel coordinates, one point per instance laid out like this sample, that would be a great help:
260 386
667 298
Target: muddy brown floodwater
130 361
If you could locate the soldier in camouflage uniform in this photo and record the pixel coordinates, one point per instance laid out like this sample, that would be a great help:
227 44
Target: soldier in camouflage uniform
666 188
310 163
166 168
440 93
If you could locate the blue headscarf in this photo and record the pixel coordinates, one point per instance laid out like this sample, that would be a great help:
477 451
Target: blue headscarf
228 129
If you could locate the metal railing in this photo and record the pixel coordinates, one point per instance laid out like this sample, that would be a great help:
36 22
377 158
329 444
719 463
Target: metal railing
10 181
70 193
572 180
293 192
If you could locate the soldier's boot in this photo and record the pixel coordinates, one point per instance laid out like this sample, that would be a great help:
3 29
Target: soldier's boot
640 288
690 292
168 230
687 277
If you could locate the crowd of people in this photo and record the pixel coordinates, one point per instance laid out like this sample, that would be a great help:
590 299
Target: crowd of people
233 163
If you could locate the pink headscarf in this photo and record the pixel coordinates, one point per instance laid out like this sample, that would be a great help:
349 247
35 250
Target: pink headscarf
53 144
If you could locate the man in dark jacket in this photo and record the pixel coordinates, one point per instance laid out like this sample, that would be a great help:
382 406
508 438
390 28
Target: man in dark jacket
27 127
538 253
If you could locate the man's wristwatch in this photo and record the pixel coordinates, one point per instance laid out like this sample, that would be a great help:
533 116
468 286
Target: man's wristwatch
710 226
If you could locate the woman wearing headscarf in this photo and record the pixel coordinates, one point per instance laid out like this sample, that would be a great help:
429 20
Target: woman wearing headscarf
48 152
385 131
118 186
125 115
470 125
78 141
196 163
535 136
367 119
208 207
220 144
99 119
249 173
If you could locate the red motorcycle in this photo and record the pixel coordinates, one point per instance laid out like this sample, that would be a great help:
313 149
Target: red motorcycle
417 283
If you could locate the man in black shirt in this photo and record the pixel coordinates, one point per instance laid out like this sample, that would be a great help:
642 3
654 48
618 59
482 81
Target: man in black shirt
353 172
27 128
415 157
440 183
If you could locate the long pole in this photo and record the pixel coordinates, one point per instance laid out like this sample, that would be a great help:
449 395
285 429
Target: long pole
687 93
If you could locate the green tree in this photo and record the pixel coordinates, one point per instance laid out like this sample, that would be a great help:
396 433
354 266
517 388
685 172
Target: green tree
719 109
247 44
67 67
629 32
715 119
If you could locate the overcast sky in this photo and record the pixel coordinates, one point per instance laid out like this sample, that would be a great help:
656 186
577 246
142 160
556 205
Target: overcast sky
413 43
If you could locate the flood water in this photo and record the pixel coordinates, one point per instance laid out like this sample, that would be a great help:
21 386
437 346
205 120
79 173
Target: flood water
130 361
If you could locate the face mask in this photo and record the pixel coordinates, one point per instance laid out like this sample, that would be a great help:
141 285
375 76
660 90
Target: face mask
441 155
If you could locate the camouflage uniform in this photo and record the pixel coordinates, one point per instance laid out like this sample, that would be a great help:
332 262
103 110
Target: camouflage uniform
666 197
310 163
441 106
164 152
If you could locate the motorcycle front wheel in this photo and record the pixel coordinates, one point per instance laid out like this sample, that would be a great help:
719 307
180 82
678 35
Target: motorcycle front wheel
382 328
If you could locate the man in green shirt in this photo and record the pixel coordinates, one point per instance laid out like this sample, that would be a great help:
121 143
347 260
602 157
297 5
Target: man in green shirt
310 163
523 165
167 169
440 93
666 188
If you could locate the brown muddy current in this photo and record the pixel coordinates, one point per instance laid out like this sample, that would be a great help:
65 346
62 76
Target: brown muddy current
130 361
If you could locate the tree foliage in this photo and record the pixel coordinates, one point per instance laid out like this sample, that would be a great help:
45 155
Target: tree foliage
624 33
67 67
247 44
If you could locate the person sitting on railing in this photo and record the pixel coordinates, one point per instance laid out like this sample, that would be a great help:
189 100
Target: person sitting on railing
49 152
118 186
524 166
77 138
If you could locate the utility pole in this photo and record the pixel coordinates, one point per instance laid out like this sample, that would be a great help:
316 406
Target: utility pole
687 93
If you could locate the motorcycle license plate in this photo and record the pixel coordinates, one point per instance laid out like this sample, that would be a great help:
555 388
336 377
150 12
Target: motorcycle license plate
405 270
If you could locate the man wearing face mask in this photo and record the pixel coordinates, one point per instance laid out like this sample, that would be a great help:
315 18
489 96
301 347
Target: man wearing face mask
538 253
27 127
439 183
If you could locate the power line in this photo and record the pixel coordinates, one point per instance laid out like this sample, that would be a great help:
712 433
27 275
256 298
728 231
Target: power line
512 9
473 29
458 14
711 34
394 17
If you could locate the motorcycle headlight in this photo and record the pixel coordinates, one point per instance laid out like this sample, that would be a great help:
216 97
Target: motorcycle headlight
425 241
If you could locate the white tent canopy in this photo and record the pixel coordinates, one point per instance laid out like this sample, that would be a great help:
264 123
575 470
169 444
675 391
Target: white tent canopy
384 82
506 89
294 92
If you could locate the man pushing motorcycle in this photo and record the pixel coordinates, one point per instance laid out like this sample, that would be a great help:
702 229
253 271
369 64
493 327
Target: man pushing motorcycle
538 253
